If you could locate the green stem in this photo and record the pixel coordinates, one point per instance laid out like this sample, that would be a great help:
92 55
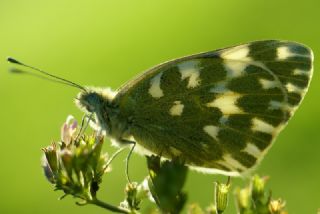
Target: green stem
107 206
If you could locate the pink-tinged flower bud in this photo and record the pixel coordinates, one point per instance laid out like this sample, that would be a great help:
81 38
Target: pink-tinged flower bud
68 130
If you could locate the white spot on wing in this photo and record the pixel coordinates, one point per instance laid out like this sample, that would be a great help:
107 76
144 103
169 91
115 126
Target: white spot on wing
236 53
275 105
284 52
227 103
260 125
155 90
301 72
235 68
176 109
212 131
253 150
267 84
236 60
190 69
282 106
229 162
293 88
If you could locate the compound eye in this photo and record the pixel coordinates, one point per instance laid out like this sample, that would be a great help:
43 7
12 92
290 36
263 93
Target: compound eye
89 108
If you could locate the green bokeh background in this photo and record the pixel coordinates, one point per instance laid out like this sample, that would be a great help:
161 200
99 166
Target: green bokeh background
107 42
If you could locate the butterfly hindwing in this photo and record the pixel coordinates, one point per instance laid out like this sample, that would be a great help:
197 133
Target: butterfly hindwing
221 109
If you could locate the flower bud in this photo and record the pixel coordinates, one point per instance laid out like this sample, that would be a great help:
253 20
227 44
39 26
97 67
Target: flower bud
66 159
143 190
222 196
276 206
195 209
211 209
51 159
68 130
243 198
258 185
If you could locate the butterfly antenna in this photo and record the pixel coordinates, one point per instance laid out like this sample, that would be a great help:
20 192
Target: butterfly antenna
68 82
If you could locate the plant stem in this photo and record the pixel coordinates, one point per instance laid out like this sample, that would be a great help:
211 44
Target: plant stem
107 206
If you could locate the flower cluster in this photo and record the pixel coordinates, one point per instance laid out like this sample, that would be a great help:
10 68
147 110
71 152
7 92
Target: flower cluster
75 164
253 199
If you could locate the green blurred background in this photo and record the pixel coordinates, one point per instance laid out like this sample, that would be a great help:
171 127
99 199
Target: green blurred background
107 42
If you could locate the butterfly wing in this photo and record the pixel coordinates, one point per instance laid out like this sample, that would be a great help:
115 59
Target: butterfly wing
219 110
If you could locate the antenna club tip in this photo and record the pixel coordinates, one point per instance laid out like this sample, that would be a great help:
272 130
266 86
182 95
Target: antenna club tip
12 60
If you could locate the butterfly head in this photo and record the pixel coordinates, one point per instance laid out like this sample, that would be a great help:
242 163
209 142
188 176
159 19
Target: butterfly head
97 101
92 100
88 101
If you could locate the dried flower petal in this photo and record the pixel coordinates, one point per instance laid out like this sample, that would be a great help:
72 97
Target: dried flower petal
47 170
50 153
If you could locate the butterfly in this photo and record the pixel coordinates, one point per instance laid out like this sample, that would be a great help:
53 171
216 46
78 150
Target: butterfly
219 111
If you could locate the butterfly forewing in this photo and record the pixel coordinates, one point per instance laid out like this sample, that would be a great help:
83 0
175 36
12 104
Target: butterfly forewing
219 110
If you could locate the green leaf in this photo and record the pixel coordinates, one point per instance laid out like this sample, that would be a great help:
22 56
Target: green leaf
166 181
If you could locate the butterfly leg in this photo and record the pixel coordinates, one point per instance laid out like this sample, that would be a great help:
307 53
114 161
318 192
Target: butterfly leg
128 142
84 126
114 155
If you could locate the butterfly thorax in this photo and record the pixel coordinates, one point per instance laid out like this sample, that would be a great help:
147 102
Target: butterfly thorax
107 118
